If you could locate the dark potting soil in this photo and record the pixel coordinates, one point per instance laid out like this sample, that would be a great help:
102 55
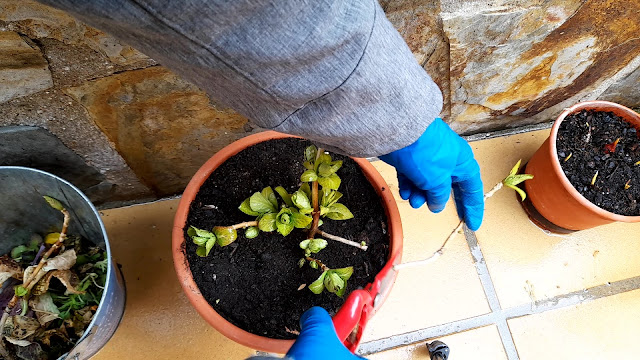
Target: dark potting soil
585 146
253 283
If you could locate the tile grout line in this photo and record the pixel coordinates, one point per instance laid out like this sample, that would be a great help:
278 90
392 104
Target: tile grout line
494 317
491 295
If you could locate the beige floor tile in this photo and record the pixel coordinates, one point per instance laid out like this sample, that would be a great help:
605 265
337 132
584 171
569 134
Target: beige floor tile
159 322
482 343
606 328
443 291
525 263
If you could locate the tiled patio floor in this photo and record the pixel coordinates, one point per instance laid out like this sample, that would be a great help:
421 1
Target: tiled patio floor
509 291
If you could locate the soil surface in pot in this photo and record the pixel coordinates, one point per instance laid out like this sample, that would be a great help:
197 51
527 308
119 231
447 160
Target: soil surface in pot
253 283
585 147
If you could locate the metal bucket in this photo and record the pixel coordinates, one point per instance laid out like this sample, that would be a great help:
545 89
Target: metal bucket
24 212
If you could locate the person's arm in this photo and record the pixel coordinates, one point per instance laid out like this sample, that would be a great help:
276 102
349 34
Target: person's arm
333 71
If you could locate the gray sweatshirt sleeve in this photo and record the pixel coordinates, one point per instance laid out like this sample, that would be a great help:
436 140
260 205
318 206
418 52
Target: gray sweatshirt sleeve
333 71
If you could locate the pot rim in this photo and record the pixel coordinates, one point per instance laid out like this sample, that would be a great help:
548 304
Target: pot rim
598 105
180 260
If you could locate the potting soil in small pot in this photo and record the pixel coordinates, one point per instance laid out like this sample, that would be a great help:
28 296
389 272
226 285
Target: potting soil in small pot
600 154
257 284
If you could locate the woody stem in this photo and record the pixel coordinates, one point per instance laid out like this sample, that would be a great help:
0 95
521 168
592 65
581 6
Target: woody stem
342 240
243 225
318 262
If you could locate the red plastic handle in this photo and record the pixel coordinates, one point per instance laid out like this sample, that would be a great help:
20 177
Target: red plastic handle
352 318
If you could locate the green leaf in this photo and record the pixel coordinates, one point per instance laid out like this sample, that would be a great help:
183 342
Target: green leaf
199 232
286 197
315 245
313 264
515 169
17 251
344 273
308 176
200 240
56 204
306 189
261 204
201 251
308 165
327 169
333 282
267 223
20 290
208 246
324 158
251 232
340 292
301 262
517 179
245 207
330 197
523 194
310 153
306 211
317 286
304 244
330 182
338 211
284 229
270 195
323 210
300 220
300 200
225 235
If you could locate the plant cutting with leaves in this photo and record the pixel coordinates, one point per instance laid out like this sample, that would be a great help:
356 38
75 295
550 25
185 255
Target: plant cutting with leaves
316 200
511 181
43 318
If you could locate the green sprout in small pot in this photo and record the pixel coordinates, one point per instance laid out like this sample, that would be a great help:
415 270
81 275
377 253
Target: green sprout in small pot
283 213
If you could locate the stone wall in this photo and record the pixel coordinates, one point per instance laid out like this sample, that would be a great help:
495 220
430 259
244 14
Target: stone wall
77 102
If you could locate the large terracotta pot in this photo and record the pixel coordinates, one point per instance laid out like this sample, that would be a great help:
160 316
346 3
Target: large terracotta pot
359 306
554 203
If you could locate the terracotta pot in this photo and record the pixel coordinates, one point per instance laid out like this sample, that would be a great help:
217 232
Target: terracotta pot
553 202
359 306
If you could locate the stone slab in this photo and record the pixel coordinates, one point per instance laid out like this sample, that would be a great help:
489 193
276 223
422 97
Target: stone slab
23 69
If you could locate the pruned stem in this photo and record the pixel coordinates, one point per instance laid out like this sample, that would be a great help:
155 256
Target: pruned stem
30 282
342 240
318 262
243 225
493 190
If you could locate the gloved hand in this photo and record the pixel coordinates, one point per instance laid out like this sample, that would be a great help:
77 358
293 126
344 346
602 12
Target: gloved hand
318 339
438 161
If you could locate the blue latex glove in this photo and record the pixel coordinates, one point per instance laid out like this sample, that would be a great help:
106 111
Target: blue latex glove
438 161
318 339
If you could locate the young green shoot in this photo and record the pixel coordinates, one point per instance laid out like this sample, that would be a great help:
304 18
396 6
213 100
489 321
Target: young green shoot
332 280
511 181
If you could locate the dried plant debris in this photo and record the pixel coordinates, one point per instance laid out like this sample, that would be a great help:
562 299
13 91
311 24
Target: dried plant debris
51 288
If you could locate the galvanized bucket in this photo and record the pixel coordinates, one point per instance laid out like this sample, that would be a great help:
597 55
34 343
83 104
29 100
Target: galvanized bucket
23 212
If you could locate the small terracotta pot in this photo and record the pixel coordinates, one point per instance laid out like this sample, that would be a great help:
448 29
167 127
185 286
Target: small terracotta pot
553 203
359 306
